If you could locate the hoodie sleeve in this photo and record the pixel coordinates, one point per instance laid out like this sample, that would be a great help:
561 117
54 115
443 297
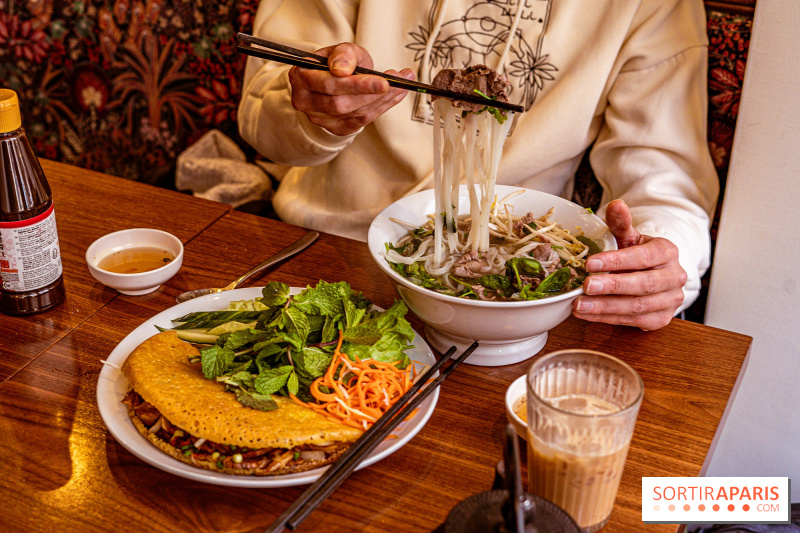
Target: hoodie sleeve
652 151
267 120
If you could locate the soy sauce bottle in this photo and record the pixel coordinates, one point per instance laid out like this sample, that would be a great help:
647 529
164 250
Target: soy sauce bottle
31 275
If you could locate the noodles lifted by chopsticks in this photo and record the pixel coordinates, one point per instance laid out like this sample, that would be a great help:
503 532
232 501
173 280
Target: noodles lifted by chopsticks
471 147
489 254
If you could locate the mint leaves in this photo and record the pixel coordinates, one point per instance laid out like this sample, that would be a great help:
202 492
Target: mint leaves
262 402
293 339
272 380
216 361
275 294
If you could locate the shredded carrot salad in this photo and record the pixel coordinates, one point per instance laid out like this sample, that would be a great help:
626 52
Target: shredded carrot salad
360 391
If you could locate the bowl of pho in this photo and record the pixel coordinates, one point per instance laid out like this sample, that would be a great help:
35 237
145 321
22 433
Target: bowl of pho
479 261
504 281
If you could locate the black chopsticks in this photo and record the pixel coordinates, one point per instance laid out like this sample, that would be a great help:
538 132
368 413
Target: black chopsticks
316 493
300 58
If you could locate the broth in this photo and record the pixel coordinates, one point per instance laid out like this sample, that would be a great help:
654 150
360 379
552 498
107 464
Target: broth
135 260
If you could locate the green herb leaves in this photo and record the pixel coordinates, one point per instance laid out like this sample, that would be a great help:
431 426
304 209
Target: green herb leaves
274 294
216 361
272 380
262 402
498 114
281 343
519 267
594 248
418 275
296 325
555 283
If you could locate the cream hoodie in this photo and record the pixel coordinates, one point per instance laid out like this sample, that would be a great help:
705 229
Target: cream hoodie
626 75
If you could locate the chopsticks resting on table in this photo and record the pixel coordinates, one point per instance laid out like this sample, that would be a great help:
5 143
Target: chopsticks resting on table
344 466
300 58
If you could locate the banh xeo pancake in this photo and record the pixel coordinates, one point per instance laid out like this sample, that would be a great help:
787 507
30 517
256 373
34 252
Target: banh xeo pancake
169 390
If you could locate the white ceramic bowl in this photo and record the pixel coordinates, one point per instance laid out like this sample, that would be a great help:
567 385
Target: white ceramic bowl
141 282
514 395
508 332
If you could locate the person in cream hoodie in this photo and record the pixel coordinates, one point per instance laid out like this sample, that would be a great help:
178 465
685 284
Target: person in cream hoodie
623 79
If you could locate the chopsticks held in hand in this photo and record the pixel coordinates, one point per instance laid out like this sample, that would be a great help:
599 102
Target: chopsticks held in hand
253 46
344 466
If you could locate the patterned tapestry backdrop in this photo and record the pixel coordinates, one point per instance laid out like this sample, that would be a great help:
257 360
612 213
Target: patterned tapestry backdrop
123 86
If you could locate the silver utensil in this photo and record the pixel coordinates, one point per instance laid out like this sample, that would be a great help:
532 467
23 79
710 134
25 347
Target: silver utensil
298 245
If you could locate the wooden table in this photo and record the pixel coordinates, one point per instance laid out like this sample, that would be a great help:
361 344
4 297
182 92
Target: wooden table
62 471
88 205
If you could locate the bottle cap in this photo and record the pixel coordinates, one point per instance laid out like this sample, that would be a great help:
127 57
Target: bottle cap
9 111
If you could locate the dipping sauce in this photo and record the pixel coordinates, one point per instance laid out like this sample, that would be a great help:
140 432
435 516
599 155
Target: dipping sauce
135 260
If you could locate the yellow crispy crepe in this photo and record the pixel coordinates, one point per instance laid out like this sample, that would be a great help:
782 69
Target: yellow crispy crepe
159 370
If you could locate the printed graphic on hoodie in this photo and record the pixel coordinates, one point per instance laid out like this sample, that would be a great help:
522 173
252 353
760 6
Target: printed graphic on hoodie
492 32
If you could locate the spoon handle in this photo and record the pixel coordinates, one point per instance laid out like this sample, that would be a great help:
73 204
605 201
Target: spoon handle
290 250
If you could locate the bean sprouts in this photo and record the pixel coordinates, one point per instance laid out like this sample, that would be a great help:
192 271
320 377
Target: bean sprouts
489 253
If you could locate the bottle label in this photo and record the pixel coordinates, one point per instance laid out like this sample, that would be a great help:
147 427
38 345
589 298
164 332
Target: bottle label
30 257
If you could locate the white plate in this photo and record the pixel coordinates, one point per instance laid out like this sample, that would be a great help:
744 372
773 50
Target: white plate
112 387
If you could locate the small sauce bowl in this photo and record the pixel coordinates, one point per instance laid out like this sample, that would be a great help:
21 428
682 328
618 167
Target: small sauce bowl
515 395
138 283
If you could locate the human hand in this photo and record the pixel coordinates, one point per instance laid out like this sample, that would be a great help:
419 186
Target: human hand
339 101
644 283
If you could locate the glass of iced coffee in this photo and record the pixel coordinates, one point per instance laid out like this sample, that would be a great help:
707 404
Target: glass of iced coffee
582 407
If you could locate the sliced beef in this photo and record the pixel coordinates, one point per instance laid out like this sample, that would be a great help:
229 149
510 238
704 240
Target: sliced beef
470 265
465 81
519 225
544 253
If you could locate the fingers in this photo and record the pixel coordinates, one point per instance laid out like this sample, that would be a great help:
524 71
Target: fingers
646 299
338 100
647 312
344 57
340 105
620 222
324 83
352 122
338 80
643 286
630 305
343 114
654 252
637 283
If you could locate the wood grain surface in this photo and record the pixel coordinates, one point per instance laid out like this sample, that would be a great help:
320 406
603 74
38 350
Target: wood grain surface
88 205
62 471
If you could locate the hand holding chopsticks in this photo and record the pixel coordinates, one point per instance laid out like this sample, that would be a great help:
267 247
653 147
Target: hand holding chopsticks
338 471
282 53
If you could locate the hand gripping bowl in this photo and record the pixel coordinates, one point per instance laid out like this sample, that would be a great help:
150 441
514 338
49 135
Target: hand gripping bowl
508 332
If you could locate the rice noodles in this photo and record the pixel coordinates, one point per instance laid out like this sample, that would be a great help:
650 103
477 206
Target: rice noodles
527 258
489 253
468 145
